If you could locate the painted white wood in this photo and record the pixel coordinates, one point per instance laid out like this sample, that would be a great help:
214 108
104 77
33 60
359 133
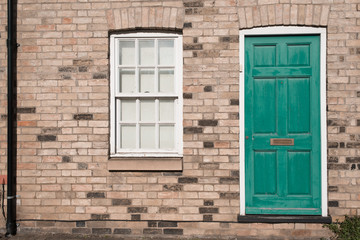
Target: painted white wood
283 30
151 93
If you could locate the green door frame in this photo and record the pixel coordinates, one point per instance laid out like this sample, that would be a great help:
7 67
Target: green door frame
286 31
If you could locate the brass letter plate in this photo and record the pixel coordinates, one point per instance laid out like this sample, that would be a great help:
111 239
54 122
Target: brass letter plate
281 141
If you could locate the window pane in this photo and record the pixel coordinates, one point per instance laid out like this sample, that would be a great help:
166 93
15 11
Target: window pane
167 110
147 52
128 110
128 136
127 52
166 52
127 80
147 83
147 110
167 137
147 136
166 80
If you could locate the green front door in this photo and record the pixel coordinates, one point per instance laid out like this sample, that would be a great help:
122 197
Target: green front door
282 125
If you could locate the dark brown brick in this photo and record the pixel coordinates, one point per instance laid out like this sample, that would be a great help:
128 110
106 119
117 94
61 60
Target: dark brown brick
137 210
187 25
83 69
353 166
100 216
208 144
167 224
235 173
234 101
229 195
207 218
208 122
46 138
230 39
333 144
80 224
83 116
208 202
187 180
333 159
229 180
353 145
95 195
353 159
207 88
196 46
333 188
192 130
338 166
173 231
67 69
26 110
173 187
333 204
121 202
101 231
66 159
100 76
187 95
135 217
342 129
122 231
152 223
208 210
193 4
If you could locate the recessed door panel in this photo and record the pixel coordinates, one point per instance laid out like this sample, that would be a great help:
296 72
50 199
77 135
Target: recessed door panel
298 105
265 105
265 176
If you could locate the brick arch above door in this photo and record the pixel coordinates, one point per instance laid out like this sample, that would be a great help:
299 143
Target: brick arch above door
283 14
145 17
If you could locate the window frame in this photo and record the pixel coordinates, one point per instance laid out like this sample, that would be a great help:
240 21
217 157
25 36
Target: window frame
115 94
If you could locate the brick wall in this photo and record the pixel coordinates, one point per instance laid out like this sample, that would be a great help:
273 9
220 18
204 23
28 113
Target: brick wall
63 115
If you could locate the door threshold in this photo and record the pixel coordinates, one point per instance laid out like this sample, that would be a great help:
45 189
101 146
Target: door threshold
269 218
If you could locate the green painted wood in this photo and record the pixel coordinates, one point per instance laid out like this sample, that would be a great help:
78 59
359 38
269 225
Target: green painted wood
282 100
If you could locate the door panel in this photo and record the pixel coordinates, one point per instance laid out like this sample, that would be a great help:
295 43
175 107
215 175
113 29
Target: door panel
282 125
264 106
298 105
265 175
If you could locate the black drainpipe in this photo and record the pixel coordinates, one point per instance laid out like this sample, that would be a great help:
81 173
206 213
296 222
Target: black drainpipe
11 117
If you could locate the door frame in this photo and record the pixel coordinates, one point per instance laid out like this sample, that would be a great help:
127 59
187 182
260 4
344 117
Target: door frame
284 30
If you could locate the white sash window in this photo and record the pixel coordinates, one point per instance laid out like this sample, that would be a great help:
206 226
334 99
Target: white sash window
146 95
